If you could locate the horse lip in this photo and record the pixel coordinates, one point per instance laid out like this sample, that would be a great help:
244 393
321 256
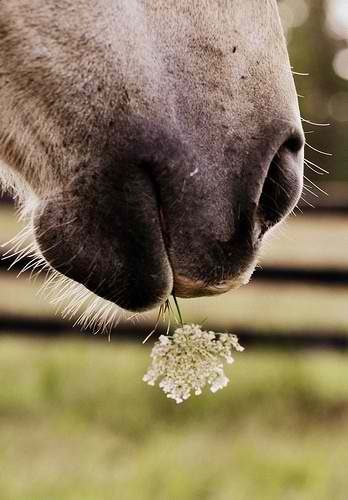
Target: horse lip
185 287
189 288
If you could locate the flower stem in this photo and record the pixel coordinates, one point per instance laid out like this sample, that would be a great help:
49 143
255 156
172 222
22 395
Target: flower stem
178 310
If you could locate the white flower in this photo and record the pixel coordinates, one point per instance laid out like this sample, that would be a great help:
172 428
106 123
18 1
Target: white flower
189 360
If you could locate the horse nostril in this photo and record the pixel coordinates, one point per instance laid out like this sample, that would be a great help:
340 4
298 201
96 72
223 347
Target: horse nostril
283 183
294 143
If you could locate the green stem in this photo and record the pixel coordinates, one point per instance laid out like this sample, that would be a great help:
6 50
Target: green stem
178 310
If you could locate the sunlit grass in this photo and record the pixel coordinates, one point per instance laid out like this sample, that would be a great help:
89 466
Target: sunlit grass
77 423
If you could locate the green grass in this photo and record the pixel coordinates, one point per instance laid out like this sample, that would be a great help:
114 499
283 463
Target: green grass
77 422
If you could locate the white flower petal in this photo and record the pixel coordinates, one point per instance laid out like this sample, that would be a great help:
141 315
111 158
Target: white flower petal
189 360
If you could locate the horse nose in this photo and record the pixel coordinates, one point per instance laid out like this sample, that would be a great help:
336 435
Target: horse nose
283 182
262 197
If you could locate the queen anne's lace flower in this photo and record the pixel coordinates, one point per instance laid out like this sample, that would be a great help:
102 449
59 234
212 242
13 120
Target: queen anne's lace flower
189 360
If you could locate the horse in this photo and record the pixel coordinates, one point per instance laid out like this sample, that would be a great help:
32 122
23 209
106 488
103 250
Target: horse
151 144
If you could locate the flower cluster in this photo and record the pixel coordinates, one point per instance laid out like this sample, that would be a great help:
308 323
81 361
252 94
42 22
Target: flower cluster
189 360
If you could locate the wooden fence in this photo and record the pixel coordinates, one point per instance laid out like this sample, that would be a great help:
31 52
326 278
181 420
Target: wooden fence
55 327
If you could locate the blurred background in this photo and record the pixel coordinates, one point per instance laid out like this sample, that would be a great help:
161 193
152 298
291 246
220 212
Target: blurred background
76 420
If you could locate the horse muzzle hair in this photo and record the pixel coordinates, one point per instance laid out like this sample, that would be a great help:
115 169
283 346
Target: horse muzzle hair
154 144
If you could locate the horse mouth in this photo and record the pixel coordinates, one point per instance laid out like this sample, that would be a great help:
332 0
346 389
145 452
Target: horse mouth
186 287
128 248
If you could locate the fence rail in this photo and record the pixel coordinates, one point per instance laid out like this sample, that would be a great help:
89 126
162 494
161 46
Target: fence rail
53 328
322 276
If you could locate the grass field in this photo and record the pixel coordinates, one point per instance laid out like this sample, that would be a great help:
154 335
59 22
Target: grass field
77 423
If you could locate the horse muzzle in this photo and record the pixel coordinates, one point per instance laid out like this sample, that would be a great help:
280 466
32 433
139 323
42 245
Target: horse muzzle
160 219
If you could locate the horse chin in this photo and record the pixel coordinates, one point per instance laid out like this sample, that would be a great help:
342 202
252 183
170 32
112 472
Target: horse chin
123 241
115 262
185 287
107 255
